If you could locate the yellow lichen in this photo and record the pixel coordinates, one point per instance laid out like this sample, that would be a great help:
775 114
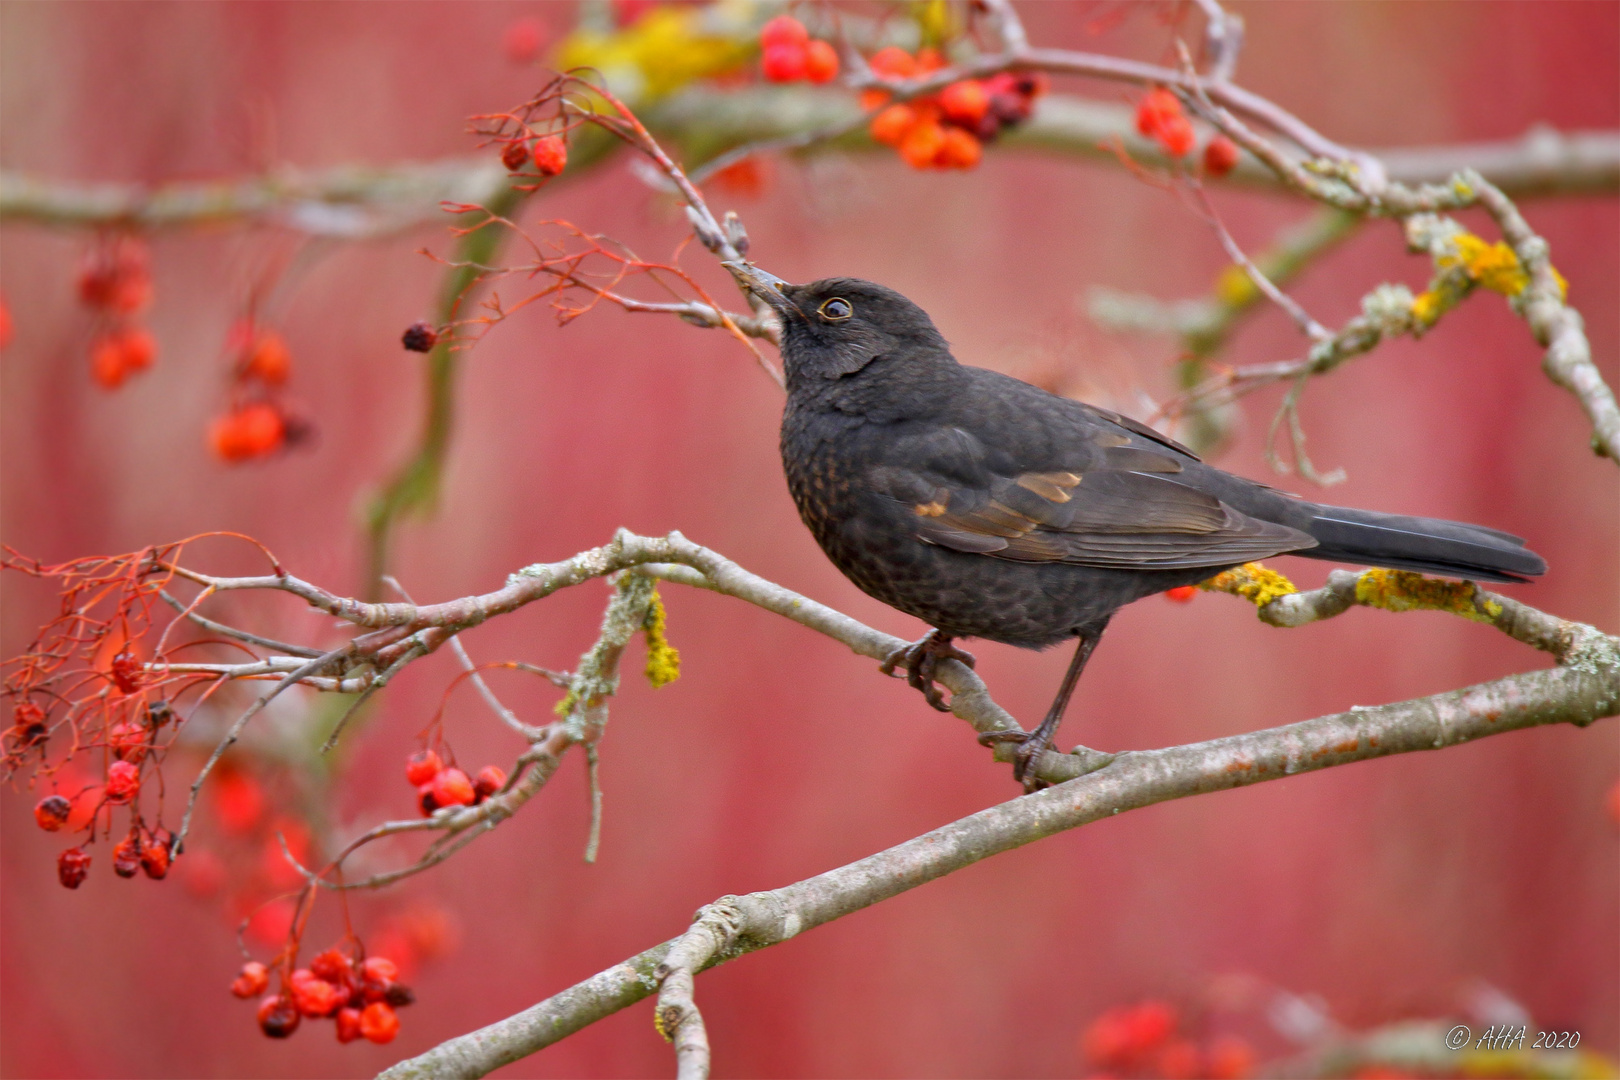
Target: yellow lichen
663 659
1252 581
1495 266
1235 288
658 54
1402 590
1428 306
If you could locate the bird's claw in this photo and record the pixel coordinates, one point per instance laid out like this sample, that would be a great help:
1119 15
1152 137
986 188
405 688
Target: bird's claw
921 659
1025 759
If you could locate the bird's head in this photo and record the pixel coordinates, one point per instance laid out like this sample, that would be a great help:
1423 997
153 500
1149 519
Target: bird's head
836 326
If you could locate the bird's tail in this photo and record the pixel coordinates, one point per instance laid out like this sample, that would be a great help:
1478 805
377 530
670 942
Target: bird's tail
1427 545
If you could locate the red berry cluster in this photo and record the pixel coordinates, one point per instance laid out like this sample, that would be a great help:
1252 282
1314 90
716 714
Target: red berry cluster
548 154
360 994
1159 116
1143 1040
439 785
257 424
789 54
947 130
115 282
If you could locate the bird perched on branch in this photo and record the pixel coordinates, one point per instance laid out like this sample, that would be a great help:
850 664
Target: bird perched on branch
990 508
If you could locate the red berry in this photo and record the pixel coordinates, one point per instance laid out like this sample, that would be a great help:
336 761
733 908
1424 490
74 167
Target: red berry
420 337
515 155
52 811
1220 156
239 801
1157 106
379 969
929 60
960 150
348 1024
893 62
270 361
1229 1058
1177 136
119 354
523 39
278 1016
550 155
783 30
379 1022
1122 1037
332 965
1182 594
425 801
452 788
127 856
116 278
71 867
820 62
128 741
317 998
250 431
123 781
157 854
785 63
490 779
922 143
965 102
890 126
251 981
422 766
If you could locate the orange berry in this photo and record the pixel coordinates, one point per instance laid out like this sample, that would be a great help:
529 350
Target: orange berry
1229 1058
348 1024
820 62
783 30
270 361
929 60
248 432
892 62
960 150
550 155
421 767
1220 156
922 144
890 126
117 355
965 102
278 1016
379 1022
251 981
1177 136
872 99
490 779
123 782
71 867
452 788
787 62
1182 594
52 812
1156 106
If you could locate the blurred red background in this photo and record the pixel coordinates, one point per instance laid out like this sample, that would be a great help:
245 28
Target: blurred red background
1387 888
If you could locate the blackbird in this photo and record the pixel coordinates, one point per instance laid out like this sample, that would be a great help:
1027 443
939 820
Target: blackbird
990 508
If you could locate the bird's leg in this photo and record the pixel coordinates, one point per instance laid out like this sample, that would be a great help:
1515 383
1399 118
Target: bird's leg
921 659
1034 743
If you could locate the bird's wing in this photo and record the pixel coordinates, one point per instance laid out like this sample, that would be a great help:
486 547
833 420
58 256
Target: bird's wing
1116 501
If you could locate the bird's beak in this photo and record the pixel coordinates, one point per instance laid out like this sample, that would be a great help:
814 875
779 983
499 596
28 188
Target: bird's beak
763 284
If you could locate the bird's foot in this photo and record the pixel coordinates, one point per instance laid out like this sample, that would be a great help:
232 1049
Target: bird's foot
921 659
1031 745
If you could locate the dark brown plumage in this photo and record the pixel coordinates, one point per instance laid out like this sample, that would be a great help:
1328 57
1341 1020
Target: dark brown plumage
990 508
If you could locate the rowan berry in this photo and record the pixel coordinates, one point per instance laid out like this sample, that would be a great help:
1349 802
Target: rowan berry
422 766
248 431
278 1016
72 866
52 812
317 998
1177 136
379 1022
157 854
127 856
126 671
966 102
1181 594
1156 106
28 725
270 361
893 62
820 62
515 155
379 969
123 782
892 124
783 30
251 981
116 278
785 62
128 741
1220 156
550 155
922 143
332 965
119 354
490 779
1124 1035
348 1024
1010 108
451 787
420 337
523 39
960 150
929 60
425 801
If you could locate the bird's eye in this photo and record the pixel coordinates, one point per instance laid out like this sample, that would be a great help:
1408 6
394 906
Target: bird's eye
836 310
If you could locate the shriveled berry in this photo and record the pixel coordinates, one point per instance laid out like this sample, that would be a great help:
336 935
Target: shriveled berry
820 62
128 741
270 361
157 854
380 969
52 812
1181 594
1010 109
892 62
890 126
399 995
422 766
960 150
250 431
126 857
251 981
318 998
515 155
452 788
922 144
419 337
379 1022
126 671
331 965
550 155
123 781
278 1016
71 867
1220 156
159 713
783 30
965 102
490 779
348 1024
425 801
784 63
